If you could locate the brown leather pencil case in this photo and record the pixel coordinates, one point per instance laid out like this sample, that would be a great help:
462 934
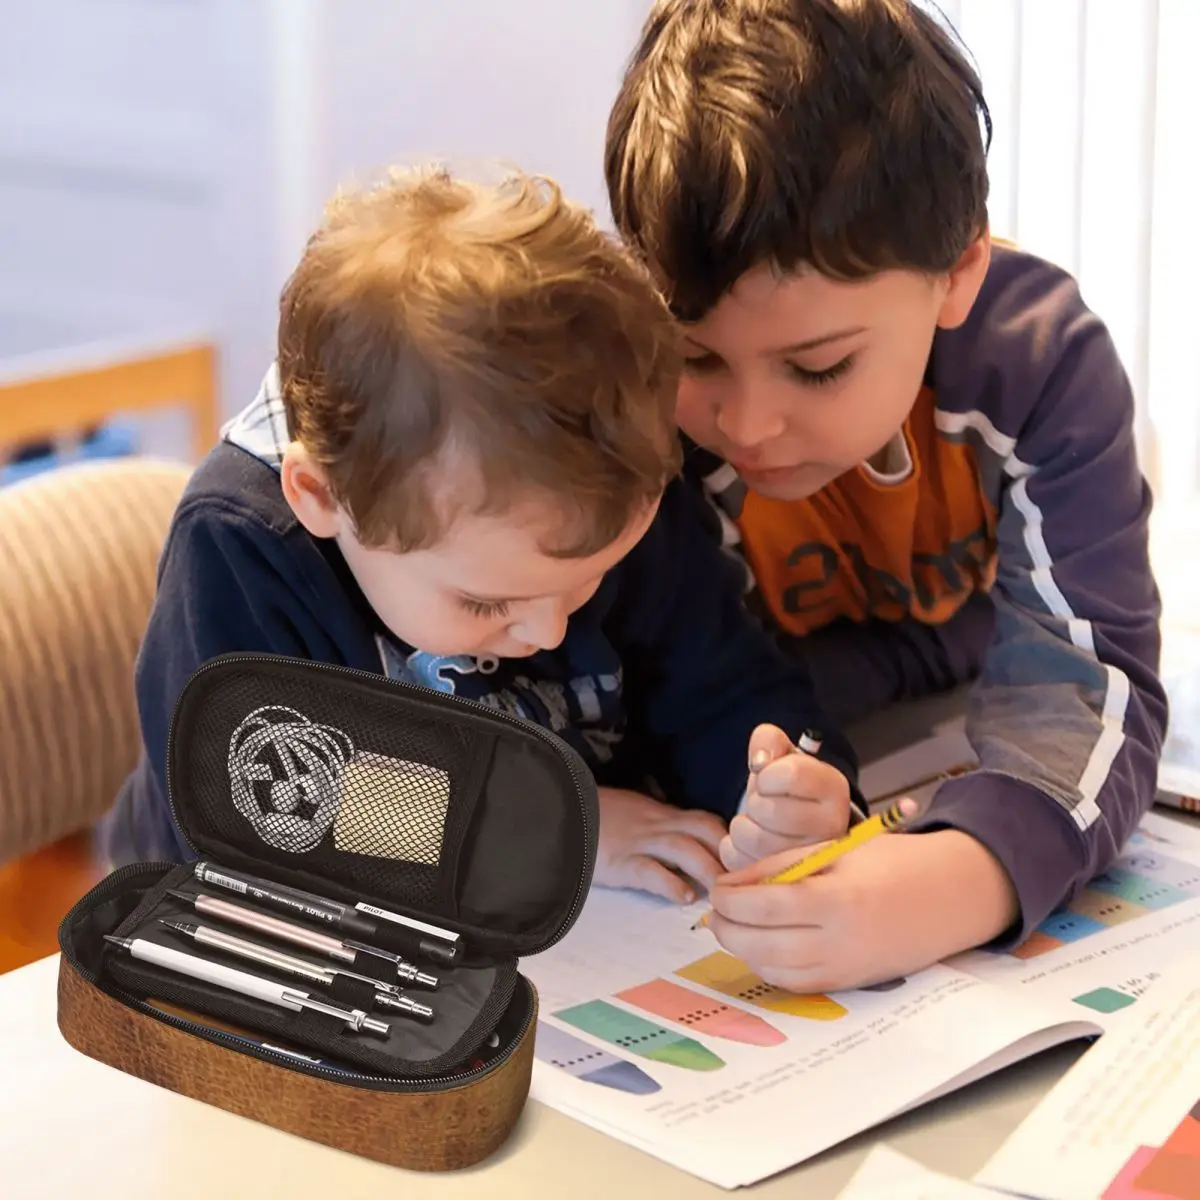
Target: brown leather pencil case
415 845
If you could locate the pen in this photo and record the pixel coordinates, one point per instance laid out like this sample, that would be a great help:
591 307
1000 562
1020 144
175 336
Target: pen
893 819
430 940
298 935
244 983
331 913
387 995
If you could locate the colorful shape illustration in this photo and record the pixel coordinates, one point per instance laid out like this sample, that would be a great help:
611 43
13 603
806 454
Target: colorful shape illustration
631 1032
1152 864
589 1063
1167 1172
1105 1000
1144 890
673 1002
1143 880
1105 908
731 977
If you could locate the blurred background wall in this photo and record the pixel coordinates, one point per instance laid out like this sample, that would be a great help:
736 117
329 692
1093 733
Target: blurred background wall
161 161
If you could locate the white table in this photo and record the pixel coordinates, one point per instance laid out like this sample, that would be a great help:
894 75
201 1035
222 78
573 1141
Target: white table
72 1127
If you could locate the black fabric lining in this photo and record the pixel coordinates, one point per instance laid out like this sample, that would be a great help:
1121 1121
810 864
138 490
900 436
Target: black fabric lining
467 1005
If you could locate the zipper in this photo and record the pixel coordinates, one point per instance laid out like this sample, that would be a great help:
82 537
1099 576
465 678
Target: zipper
425 695
381 1083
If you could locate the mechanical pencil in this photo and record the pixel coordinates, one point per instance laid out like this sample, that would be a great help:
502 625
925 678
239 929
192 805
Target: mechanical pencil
387 995
244 983
299 935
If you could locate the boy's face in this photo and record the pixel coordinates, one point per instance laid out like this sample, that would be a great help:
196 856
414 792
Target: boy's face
485 589
795 379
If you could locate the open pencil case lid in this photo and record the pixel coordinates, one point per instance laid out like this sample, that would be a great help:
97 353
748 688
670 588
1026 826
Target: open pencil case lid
365 788
374 792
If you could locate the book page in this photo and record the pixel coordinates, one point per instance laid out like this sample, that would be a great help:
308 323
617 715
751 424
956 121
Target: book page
1114 939
1124 1122
888 1175
650 1032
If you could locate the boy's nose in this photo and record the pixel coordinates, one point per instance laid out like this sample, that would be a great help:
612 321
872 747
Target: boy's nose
542 624
747 422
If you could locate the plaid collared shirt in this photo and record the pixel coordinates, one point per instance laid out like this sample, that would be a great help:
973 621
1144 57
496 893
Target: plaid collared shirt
261 428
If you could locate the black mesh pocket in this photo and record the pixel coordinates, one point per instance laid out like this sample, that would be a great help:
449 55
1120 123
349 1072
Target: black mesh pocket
329 781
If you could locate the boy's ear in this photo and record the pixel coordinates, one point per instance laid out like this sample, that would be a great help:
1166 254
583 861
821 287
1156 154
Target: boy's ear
306 489
966 278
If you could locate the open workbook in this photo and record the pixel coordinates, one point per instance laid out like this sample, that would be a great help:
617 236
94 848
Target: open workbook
649 1032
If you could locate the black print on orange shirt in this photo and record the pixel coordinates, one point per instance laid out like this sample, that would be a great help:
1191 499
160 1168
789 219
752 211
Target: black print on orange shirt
933 575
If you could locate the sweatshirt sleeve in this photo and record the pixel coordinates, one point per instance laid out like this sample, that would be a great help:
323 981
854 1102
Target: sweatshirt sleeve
700 672
221 588
1068 716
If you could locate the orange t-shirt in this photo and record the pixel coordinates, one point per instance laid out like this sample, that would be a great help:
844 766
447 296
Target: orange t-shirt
862 548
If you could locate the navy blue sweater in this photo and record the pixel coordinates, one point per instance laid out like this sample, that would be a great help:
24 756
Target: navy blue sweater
662 675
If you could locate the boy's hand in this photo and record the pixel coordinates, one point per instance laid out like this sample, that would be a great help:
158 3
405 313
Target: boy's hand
656 847
792 799
891 907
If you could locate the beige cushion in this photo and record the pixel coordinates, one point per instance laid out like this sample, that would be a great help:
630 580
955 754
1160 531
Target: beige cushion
79 550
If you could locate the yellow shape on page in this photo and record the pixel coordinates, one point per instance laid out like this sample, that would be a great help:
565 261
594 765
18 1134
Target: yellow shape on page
731 977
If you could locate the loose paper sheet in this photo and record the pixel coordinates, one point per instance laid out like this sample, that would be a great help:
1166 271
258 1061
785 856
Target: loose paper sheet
1124 1122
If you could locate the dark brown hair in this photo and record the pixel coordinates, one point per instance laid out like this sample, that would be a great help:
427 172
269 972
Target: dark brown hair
445 345
842 134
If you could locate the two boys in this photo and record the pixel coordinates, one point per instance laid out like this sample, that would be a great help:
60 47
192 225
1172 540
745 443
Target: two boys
921 444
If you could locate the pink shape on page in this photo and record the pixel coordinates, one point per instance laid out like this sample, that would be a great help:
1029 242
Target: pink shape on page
1123 1187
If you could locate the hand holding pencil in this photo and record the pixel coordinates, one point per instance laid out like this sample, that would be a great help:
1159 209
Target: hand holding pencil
792 799
889 821
875 908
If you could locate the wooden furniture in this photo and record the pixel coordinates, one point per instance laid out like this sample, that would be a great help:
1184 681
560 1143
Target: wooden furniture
70 1126
54 391
79 548
36 891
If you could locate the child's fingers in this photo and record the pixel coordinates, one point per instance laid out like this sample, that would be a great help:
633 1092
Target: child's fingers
771 905
732 859
707 828
648 875
763 867
800 797
753 842
767 743
793 820
684 854
800 775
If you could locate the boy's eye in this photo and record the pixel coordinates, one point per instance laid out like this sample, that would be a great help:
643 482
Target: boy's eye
702 364
484 608
825 375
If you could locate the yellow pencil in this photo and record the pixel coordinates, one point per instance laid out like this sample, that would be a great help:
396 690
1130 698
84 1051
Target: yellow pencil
886 822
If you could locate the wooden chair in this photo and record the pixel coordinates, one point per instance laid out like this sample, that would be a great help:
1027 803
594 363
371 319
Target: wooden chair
73 389
79 548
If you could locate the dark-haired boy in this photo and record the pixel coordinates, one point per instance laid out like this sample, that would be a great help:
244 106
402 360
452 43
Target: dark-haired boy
923 442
